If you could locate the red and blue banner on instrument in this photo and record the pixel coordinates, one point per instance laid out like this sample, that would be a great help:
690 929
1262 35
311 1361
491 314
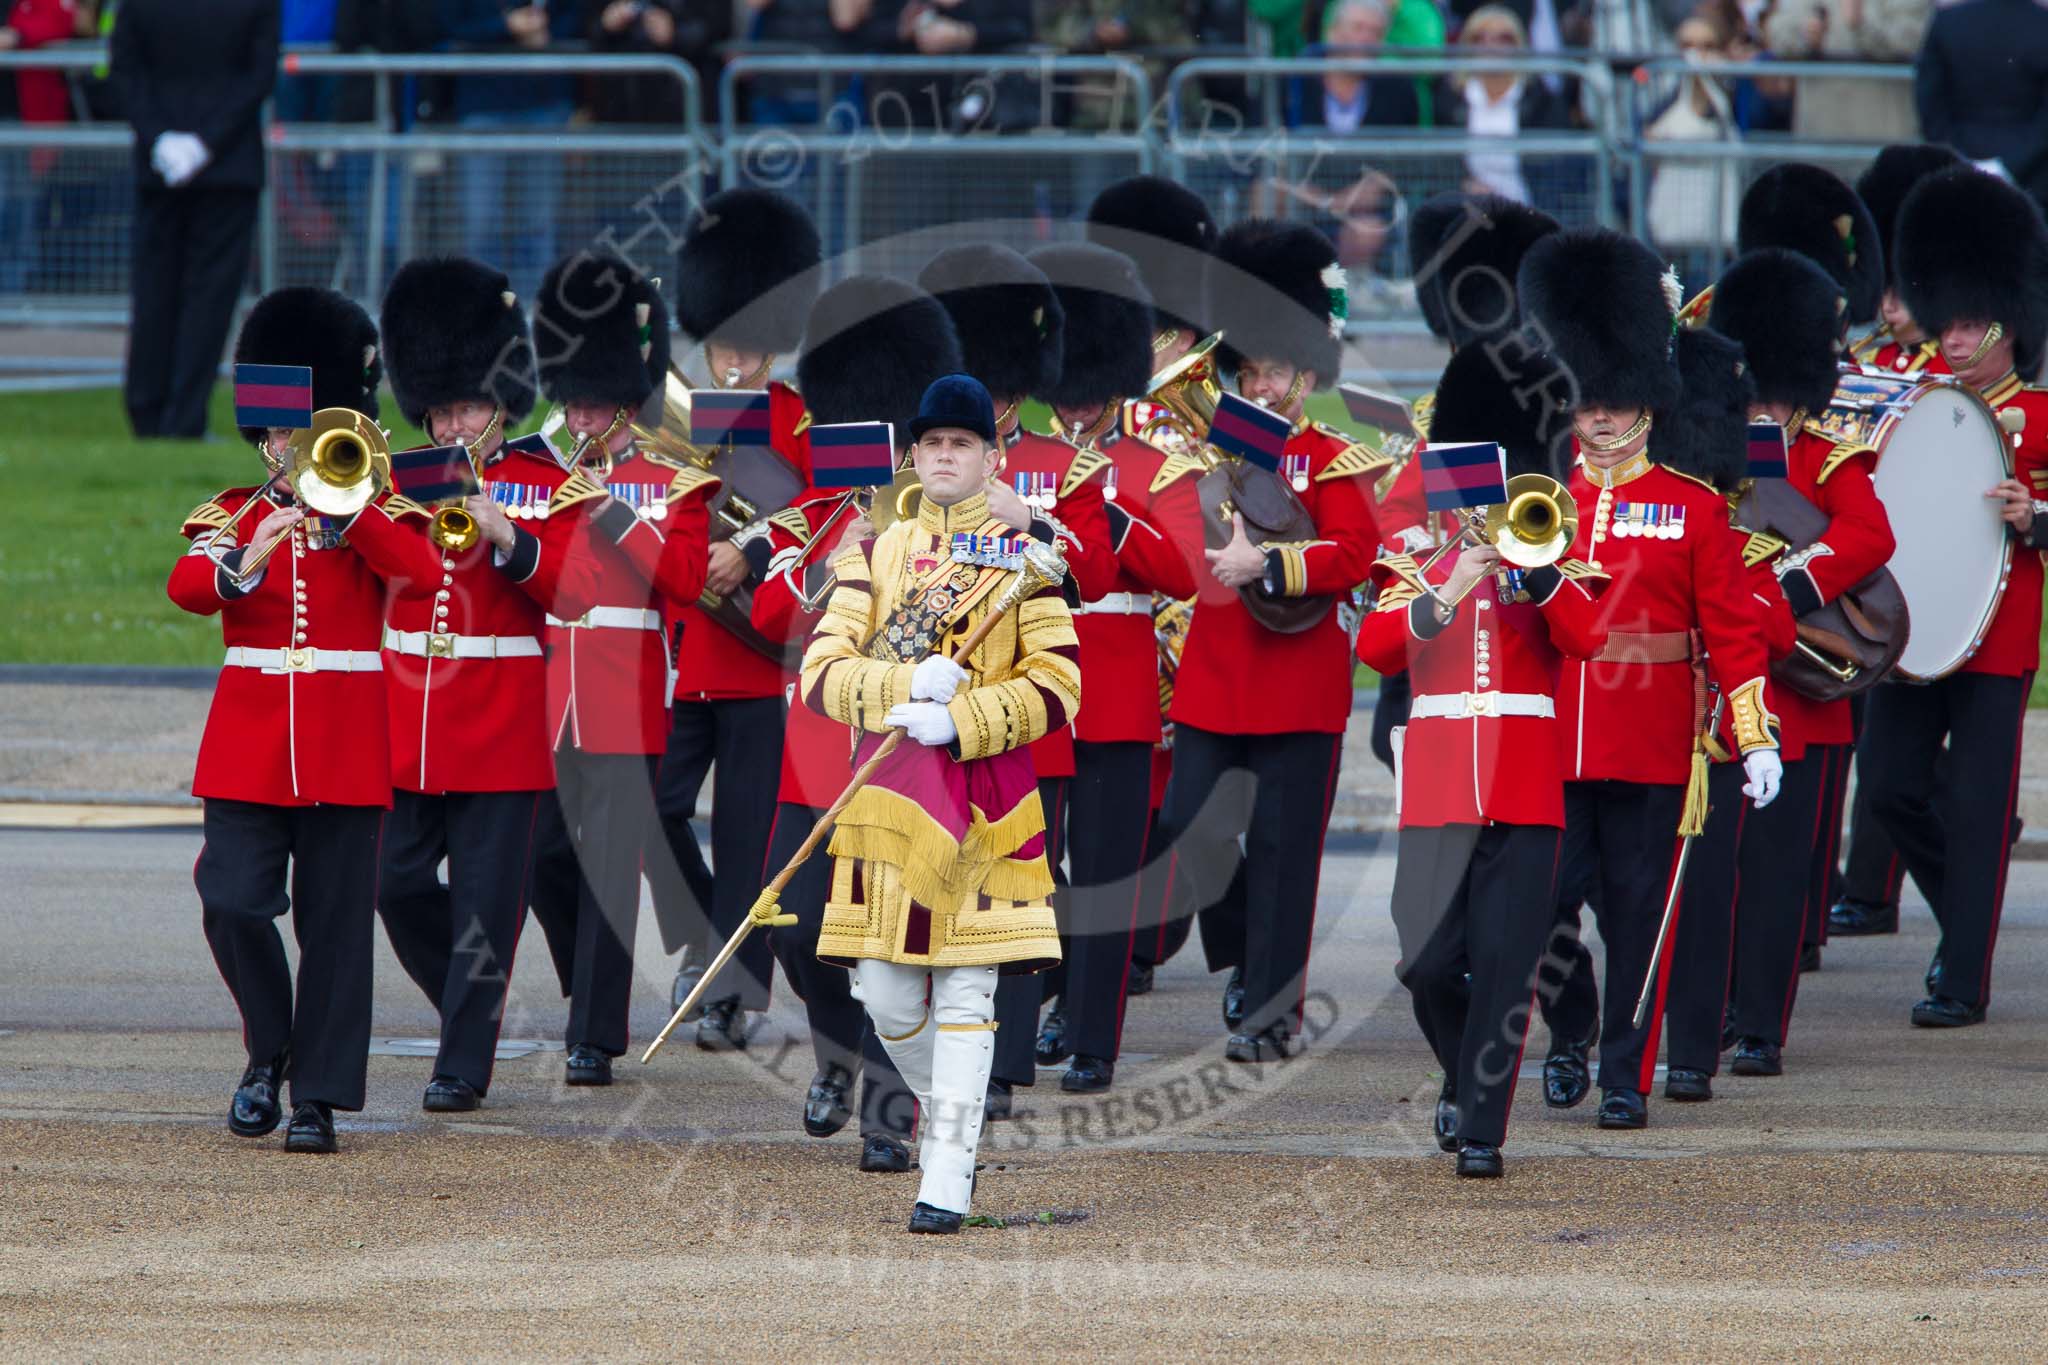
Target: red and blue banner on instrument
433 474
1767 451
274 396
1248 431
853 454
536 444
729 417
1458 476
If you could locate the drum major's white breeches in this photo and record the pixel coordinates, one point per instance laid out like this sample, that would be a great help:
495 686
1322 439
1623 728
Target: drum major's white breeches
944 1055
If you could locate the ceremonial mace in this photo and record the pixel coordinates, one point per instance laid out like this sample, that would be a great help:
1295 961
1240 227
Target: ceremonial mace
1677 884
1043 567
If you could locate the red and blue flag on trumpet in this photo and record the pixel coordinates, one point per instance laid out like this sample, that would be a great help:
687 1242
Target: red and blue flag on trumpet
274 396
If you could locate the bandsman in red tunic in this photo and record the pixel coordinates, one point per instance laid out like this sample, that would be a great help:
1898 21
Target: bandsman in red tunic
1480 774
1250 701
295 767
746 277
471 754
1973 265
1634 768
602 337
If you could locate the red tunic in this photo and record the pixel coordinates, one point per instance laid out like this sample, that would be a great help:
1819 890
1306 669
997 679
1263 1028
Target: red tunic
1774 617
2012 646
1236 676
1478 763
284 729
817 751
1404 513
1627 718
463 718
1919 359
608 684
713 664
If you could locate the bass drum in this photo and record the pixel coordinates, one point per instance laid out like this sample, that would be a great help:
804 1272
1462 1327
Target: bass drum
1939 447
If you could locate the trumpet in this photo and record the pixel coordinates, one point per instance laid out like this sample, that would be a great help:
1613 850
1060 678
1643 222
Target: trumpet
338 466
452 527
1534 527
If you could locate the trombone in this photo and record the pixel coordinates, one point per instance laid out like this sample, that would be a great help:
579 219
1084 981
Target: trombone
337 467
1533 528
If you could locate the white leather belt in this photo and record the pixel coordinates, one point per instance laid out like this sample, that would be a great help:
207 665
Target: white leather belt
432 645
1466 705
1119 604
615 618
305 659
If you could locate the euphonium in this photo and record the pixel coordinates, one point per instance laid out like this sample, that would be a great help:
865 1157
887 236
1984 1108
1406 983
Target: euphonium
671 436
1188 389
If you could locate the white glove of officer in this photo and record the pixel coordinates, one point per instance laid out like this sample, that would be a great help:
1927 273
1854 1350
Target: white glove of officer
927 722
1764 770
937 679
178 157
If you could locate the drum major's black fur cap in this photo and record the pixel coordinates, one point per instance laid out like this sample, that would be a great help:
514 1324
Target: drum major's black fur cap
328 331
1600 299
747 273
453 330
1464 250
1483 398
1109 324
1887 181
1811 210
1705 433
1272 293
1972 248
600 331
875 344
1786 314
1167 230
1005 312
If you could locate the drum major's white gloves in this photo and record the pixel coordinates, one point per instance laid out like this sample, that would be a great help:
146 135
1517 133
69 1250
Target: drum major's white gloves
927 722
937 679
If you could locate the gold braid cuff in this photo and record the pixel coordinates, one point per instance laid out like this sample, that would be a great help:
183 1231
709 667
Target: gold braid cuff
1754 725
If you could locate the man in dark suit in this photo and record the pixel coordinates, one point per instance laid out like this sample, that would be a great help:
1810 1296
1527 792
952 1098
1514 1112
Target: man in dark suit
1981 85
195 74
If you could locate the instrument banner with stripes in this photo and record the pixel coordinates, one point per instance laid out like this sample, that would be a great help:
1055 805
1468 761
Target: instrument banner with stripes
1248 431
433 474
274 396
1460 476
729 417
853 454
1767 459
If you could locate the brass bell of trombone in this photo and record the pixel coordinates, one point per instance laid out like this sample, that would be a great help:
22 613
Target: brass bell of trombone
338 467
1536 525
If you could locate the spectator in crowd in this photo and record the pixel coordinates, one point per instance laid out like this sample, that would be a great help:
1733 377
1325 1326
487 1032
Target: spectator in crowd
1691 205
1343 101
1095 27
1414 23
823 26
689 29
944 28
508 219
195 74
1849 31
1503 105
39 97
1982 86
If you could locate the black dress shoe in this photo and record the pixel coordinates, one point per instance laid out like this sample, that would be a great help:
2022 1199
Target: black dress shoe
1809 957
1051 1048
1273 1045
1687 1086
1445 1123
999 1102
1088 1075
1479 1161
1139 982
724 1027
254 1110
885 1154
312 1129
1566 1076
1941 1011
1853 919
449 1095
925 1218
1623 1109
826 1110
587 1066
1233 999
1757 1057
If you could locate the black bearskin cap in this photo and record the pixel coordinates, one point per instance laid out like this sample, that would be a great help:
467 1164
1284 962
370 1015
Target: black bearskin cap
330 332
1165 227
601 333
1464 250
1109 324
1483 398
747 273
453 330
1811 210
1887 181
873 346
1972 248
1786 314
1601 301
1272 288
1706 433
1005 313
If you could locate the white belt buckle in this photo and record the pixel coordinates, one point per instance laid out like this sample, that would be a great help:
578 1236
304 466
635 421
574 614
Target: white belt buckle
440 646
1485 704
300 660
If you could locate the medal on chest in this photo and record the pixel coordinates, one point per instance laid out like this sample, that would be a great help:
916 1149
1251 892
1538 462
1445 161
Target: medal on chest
522 501
1648 521
649 501
1296 468
322 533
1038 488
